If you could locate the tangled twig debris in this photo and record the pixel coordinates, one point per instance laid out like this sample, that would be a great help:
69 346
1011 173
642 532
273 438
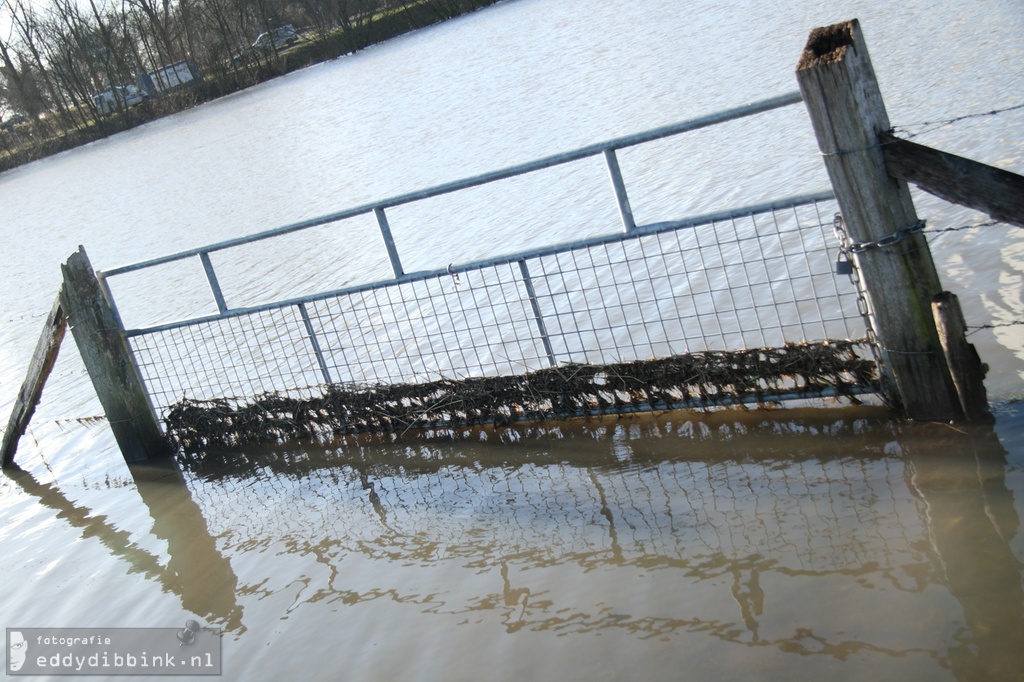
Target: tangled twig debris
698 380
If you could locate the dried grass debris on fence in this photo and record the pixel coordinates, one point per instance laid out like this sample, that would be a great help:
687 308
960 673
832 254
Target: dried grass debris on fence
699 380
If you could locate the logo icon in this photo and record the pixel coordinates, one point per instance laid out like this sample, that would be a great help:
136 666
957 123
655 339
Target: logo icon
187 635
18 651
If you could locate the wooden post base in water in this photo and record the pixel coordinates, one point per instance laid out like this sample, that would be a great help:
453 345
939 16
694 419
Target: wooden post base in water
965 365
39 369
108 360
845 105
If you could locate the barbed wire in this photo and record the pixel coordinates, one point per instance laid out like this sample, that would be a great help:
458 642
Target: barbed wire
90 420
969 226
849 248
929 126
10 319
998 325
910 230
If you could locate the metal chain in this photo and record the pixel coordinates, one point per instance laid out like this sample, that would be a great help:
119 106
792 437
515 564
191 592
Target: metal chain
889 240
846 250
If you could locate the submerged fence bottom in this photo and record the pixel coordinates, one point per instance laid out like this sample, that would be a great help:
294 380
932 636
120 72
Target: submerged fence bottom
698 380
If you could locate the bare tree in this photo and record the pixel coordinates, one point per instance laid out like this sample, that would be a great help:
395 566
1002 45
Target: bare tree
62 54
28 33
20 84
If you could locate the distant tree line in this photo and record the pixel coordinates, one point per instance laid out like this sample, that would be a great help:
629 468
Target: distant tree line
57 56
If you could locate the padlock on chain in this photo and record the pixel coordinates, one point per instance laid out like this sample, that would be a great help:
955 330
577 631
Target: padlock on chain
844 266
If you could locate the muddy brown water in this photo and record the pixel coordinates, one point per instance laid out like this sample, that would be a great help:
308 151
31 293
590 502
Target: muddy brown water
787 544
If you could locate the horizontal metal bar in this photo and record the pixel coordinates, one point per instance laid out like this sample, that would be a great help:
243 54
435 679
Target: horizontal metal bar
778 205
645 230
640 231
447 188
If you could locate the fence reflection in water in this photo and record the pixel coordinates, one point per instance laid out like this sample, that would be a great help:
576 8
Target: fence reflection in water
822 535
804 514
830 539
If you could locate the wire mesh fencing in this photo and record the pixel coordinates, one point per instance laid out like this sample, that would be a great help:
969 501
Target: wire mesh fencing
753 280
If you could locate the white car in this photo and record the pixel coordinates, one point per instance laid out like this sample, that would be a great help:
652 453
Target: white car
119 97
281 36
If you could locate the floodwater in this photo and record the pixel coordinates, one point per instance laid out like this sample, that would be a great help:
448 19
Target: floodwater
788 544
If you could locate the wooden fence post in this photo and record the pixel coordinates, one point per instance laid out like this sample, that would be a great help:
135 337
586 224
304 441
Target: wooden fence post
965 365
108 361
43 359
846 109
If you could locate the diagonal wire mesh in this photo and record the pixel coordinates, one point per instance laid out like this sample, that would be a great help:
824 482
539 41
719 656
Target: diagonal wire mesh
752 281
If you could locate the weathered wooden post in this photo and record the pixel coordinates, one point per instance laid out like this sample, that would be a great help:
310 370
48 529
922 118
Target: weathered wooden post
846 109
965 365
108 361
43 359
